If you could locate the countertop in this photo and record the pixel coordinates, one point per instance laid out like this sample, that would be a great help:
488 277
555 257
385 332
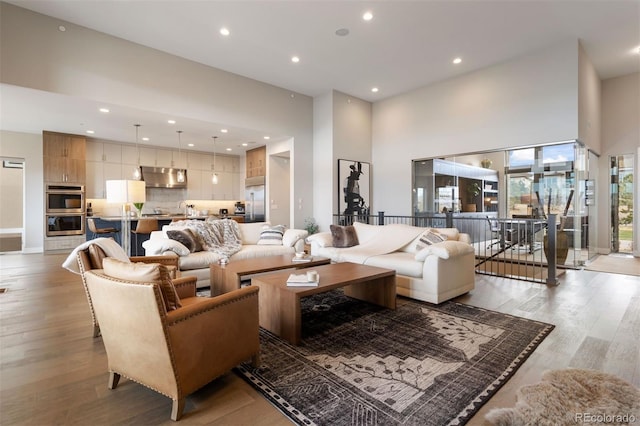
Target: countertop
162 217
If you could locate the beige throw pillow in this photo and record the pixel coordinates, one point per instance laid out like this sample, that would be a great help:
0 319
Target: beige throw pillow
144 273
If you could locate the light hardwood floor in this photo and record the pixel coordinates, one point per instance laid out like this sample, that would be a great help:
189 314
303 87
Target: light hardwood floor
53 372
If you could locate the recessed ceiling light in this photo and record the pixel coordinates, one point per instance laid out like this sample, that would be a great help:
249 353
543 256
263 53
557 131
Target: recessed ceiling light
245 144
367 16
457 61
90 132
295 59
62 28
228 149
267 137
190 144
342 32
171 121
145 139
224 31
223 130
104 109
374 89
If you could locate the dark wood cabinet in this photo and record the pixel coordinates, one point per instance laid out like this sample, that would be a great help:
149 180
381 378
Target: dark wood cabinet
256 162
64 157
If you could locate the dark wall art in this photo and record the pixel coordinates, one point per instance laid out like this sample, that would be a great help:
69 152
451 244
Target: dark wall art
354 194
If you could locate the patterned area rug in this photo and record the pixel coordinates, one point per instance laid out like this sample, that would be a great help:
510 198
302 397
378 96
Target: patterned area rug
421 364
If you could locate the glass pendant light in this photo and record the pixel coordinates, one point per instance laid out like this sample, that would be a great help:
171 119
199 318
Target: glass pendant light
214 178
137 174
180 175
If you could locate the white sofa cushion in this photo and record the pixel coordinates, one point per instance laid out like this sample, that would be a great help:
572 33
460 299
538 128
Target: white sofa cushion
291 236
444 250
321 239
403 263
366 232
255 251
250 232
198 260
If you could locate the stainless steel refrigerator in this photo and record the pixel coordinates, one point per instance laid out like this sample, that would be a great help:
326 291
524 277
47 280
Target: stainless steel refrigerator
254 199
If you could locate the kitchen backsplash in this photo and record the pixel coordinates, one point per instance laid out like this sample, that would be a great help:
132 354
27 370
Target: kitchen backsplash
170 200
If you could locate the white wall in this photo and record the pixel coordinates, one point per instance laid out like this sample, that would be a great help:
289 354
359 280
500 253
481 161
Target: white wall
29 147
324 169
279 202
88 64
620 135
342 130
589 103
529 100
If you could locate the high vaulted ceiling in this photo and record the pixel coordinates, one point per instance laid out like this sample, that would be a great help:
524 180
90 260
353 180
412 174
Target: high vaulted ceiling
407 44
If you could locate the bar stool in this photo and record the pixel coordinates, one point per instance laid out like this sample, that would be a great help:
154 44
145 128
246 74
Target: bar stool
102 232
145 227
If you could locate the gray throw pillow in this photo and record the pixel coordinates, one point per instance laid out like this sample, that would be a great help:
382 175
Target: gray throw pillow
187 238
344 236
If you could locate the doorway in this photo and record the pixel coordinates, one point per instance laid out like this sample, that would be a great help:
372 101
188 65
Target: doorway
621 192
11 204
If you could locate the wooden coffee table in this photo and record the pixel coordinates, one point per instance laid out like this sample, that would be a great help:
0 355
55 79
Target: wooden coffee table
226 278
279 305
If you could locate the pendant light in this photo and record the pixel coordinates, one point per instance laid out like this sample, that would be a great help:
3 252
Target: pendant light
214 178
137 174
180 175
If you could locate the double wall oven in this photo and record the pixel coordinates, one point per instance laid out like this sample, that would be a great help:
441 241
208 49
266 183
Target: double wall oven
65 210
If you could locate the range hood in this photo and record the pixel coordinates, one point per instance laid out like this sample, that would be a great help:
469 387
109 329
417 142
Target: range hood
162 177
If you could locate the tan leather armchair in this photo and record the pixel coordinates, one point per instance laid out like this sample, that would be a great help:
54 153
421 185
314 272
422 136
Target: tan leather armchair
172 348
92 256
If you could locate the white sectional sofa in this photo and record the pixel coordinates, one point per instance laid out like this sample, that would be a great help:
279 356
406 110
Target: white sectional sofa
197 263
436 273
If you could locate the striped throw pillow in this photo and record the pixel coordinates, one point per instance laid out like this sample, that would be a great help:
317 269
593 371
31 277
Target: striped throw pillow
271 236
429 237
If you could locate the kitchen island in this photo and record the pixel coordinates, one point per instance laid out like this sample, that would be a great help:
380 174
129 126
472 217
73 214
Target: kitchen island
163 219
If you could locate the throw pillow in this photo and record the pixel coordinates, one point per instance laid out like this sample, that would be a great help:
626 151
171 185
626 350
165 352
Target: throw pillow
187 237
271 236
96 255
157 246
429 237
344 236
145 273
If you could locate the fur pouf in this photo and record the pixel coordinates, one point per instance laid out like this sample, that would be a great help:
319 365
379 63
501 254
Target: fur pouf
570 397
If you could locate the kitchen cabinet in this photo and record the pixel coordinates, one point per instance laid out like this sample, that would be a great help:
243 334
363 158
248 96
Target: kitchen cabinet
147 156
194 161
129 155
98 172
64 158
256 162
104 152
164 158
195 184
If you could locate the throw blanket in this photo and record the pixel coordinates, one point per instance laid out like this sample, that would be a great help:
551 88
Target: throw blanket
387 239
220 236
110 247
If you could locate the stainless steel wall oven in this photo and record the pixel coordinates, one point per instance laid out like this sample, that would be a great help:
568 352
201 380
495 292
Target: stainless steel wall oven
65 198
64 224
65 210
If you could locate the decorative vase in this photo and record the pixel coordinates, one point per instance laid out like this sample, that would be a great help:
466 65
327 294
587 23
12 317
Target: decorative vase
470 208
138 207
486 163
562 247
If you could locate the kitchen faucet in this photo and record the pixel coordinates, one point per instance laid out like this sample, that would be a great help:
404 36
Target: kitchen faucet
186 206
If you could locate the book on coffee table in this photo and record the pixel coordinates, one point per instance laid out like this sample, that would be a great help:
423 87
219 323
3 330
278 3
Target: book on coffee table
300 280
302 259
